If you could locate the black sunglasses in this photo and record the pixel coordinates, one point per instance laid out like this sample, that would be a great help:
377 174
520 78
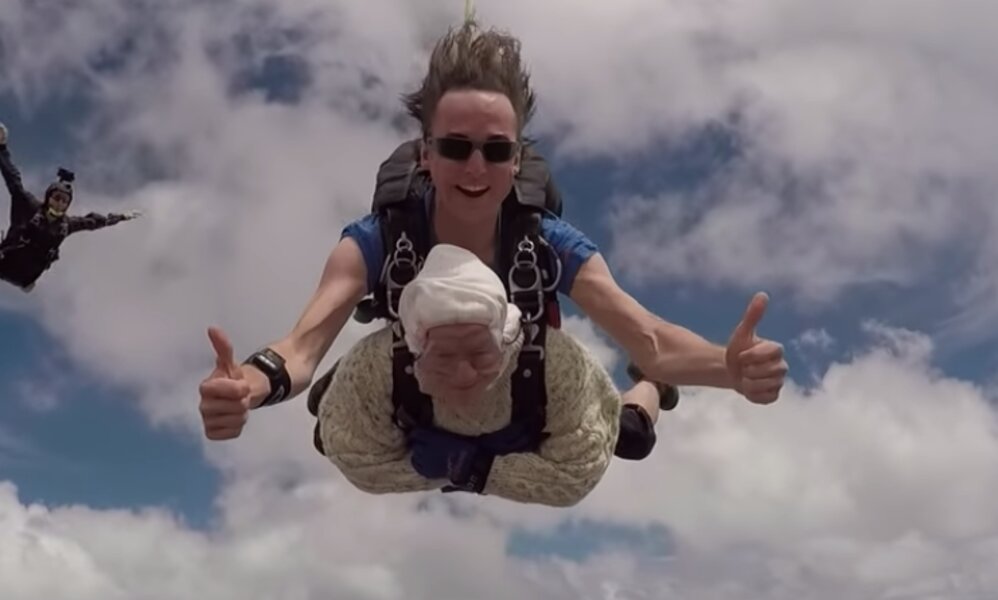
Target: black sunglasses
494 151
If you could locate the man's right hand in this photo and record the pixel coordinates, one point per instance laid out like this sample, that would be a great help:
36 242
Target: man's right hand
225 393
3 135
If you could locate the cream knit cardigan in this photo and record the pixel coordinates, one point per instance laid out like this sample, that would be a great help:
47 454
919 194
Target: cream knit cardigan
583 418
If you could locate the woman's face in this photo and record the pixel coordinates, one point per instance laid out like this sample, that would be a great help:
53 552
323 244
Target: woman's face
458 363
59 203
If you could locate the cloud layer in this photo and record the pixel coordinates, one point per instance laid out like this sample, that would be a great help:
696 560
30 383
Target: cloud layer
863 149
875 483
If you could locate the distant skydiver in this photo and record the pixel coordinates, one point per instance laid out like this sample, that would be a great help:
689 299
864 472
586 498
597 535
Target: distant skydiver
31 243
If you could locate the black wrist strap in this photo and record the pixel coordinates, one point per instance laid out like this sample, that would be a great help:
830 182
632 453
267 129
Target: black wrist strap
271 364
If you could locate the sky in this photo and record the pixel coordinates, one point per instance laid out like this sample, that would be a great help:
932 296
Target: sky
839 156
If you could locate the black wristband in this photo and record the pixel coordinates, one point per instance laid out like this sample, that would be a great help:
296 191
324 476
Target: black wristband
271 364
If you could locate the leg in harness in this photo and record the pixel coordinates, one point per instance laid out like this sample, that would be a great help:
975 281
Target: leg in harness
21 264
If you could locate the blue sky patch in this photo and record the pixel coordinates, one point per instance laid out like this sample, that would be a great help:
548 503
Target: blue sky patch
89 444
578 540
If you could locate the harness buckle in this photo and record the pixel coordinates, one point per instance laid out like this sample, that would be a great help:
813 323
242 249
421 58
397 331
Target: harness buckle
528 297
531 330
403 259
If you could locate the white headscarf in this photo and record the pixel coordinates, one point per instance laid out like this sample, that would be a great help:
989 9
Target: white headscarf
456 287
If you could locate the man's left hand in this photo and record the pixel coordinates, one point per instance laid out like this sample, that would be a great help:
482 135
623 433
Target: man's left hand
756 366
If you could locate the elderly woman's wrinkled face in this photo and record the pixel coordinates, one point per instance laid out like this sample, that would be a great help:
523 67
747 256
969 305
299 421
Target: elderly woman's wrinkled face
459 362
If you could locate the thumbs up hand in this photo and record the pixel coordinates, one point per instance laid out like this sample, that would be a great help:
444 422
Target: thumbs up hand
756 366
225 393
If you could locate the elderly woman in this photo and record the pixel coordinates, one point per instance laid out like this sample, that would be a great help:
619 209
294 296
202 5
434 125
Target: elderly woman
466 338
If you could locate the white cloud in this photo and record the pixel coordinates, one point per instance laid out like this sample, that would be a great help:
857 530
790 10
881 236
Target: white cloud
875 482
320 540
583 330
813 347
817 339
878 478
864 141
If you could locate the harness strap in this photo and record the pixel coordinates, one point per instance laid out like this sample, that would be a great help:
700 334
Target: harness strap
532 272
406 247
527 287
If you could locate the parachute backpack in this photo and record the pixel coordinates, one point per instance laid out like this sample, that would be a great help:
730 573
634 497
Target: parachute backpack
532 273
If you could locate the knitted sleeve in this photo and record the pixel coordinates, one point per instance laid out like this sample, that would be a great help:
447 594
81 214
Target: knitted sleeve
583 418
356 427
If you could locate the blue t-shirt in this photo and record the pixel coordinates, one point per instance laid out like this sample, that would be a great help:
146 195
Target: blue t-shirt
573 246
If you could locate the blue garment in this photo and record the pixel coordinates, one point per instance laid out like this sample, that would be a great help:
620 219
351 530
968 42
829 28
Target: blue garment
573 246
439 454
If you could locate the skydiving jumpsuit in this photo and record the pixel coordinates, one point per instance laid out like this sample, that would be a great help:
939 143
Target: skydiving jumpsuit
31 243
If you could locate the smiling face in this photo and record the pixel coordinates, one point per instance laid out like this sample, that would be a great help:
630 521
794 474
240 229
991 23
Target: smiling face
471 190
58 203
459 362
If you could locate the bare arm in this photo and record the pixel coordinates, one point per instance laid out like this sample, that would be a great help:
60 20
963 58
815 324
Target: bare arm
342 286
663 351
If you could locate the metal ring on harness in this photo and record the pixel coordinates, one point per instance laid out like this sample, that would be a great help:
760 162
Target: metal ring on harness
405 257
528 265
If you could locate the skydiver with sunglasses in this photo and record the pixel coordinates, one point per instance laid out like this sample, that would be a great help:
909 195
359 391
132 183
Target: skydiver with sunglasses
473 107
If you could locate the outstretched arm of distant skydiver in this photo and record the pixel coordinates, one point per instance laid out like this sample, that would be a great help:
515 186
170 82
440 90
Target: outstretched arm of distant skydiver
22 202
94 221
